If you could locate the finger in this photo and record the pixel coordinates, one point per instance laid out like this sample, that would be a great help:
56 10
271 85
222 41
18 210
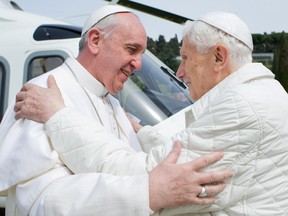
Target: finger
204 161
216 176
174 154
20 96
18 105
27 86
214 189
18 115
203 200
20 111
52 83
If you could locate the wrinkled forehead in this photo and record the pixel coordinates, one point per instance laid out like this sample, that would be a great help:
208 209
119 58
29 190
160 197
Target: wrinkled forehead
130 25
129 31
185 44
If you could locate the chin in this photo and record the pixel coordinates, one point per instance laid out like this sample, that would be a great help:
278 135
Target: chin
193 96
116 91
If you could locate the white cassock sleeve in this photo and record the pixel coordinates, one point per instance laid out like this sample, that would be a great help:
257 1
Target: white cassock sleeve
85 145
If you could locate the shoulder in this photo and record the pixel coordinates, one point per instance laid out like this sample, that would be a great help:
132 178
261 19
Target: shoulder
42 79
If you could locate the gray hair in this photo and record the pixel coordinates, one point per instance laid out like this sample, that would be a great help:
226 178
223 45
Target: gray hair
105 25
205 36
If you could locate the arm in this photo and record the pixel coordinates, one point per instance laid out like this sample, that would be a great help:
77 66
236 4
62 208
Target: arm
85 146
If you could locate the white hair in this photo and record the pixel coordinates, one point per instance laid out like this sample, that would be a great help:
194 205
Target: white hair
205 36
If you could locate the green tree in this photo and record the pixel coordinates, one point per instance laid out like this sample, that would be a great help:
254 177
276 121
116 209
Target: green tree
151 45
275 66
281 62
165 53
175 46
160 44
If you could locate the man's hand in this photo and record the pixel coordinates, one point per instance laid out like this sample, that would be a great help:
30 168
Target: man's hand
172 184
136 126
37 103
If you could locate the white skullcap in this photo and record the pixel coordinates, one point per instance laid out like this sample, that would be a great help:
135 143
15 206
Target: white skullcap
231 24
101 13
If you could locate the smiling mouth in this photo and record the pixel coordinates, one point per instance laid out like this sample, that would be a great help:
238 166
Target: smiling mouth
187 83
125 72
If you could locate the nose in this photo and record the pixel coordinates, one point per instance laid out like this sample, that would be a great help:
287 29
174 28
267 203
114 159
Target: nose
180 72
137 62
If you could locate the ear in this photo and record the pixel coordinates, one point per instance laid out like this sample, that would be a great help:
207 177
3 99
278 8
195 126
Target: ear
221 57
93 40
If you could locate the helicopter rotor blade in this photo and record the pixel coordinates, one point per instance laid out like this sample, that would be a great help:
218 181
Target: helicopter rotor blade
151 10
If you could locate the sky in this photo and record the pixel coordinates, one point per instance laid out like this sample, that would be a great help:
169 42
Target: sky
260 15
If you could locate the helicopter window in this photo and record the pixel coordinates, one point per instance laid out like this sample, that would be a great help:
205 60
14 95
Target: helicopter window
54 32
159 84
41 65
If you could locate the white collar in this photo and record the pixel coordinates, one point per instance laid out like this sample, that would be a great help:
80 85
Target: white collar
85 79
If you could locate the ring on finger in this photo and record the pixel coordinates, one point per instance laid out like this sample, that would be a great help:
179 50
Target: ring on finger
203 192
